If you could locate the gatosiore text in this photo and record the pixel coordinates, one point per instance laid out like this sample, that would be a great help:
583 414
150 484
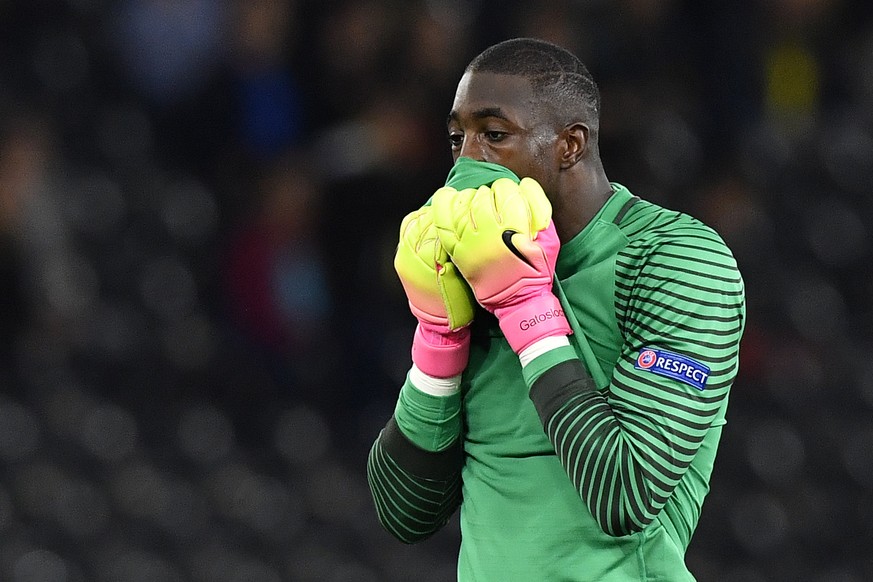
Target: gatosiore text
526 324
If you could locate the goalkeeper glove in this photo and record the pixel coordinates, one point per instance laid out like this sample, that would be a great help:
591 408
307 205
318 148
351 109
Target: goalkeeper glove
438 297
504 242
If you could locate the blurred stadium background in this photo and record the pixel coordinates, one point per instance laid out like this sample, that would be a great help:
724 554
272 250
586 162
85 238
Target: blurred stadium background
201 330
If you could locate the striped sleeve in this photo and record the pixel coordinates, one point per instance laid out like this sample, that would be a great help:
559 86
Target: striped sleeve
415 491
414 467
626 448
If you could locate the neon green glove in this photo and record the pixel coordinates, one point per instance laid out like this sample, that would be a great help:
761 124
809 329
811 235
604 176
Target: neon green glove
504 242
438 296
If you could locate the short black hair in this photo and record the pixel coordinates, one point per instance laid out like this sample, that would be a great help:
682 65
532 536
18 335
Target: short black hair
557 76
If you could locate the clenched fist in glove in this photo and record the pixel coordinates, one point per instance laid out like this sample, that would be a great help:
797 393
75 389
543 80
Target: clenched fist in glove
438 297
503 241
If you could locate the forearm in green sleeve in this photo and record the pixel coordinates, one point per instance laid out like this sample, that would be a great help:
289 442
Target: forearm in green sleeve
591 446
414 466
432 423
414 491
536 368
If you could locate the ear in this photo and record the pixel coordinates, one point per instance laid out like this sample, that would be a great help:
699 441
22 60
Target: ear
573 144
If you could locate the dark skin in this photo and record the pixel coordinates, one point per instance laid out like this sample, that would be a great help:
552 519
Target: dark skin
497 118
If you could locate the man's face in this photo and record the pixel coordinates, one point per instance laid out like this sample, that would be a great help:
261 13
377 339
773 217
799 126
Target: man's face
495 118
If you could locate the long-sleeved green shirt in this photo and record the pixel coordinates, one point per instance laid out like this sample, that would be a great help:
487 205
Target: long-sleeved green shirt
592 462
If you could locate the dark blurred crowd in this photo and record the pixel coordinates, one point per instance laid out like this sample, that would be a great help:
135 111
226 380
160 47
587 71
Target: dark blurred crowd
200 327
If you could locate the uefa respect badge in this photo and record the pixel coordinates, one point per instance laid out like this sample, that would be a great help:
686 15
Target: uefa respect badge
673 365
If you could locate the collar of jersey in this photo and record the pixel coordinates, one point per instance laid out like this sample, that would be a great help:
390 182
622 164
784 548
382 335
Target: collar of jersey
578 249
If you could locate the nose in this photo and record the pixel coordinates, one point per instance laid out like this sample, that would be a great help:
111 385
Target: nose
472 148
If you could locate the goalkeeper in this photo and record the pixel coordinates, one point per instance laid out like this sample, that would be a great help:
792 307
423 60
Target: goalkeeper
569 403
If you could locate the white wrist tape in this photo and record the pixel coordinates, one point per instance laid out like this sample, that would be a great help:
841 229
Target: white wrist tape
540 347
434 386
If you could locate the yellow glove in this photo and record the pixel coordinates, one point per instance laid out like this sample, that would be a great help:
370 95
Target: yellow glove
438 296
504 242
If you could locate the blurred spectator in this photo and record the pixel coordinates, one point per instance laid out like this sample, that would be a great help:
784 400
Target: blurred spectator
166 57
269 111
275 280
52 284
170 47
22 159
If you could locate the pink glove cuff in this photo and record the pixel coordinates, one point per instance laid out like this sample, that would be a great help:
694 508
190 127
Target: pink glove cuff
536 318
438 352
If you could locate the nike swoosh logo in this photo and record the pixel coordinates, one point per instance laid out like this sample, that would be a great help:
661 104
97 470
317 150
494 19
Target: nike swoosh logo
507 240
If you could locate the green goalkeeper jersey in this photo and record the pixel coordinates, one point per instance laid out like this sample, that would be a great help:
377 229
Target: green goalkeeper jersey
592 462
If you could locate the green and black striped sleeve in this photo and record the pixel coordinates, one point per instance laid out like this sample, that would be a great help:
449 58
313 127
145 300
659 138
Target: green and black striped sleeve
414 466
627 447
